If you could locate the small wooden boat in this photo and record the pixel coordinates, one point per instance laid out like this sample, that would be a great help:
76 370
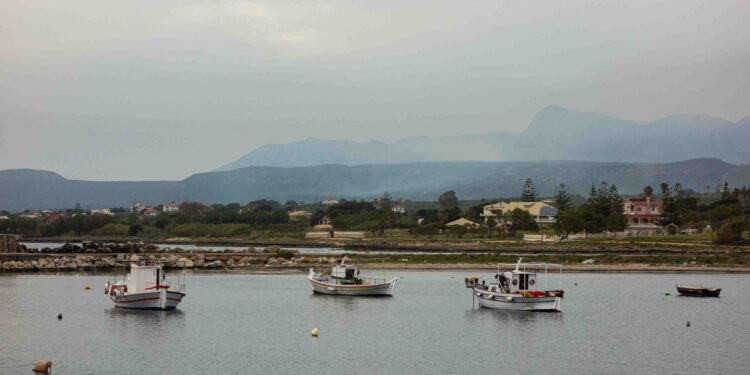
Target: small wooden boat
697 291
344 279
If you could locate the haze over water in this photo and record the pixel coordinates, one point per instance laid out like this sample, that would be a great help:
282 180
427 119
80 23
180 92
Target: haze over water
261 323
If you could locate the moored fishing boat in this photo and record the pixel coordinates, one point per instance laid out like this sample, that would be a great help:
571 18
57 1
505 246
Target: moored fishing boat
344 279
146 287
697 291
519 289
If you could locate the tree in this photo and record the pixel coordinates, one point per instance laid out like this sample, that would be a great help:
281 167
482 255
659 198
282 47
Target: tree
562 198
664 188
385 202
730 232
603 210
569 221
519 219
648 191
670 210
528 192
725 191
448 200
474 212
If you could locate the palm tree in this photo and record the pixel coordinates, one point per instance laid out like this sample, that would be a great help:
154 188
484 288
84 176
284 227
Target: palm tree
664 188
648 191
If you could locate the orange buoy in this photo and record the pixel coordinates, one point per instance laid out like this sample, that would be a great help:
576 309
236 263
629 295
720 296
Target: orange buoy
42 366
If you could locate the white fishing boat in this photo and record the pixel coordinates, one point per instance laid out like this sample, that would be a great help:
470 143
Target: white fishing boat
344 279
146 287
521 289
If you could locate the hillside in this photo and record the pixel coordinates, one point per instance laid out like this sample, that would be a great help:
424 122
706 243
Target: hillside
22 189
555 133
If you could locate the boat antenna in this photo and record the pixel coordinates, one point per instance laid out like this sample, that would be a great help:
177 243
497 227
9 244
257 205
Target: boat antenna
519 263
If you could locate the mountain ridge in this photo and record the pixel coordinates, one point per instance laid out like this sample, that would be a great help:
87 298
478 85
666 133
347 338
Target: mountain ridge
554 133
416 181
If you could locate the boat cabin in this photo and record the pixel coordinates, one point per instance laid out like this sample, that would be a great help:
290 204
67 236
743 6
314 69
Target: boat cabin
145 276
344 271
514 282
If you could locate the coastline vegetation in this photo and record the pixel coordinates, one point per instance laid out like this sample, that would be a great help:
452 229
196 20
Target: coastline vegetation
723 219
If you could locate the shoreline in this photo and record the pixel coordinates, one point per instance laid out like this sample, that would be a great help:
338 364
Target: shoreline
302 268
111 254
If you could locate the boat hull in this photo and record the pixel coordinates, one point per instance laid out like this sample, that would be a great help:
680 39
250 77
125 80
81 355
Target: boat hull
698 292
149 301
383 289
500 302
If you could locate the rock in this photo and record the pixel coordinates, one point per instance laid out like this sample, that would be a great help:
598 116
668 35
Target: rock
134 258
588 261
230 263
187 263
215 264
272 249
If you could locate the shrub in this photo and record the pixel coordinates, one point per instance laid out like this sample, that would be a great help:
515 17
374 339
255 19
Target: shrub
112 230
286 254
730 232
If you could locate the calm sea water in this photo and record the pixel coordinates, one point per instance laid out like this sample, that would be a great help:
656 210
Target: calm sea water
261 323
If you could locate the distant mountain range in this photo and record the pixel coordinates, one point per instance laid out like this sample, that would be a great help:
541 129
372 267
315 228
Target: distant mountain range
555 133
25 189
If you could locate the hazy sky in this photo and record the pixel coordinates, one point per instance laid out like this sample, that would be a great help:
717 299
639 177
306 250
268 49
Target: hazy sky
162 89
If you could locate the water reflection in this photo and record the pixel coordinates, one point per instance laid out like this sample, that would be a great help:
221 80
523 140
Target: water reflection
145 317
518 317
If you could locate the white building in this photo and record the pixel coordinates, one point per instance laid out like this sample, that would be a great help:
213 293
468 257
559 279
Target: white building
102 211
543 213
330 202
399 208
170 207
136 207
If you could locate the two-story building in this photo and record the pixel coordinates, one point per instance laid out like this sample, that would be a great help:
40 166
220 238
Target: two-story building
543 213
643 215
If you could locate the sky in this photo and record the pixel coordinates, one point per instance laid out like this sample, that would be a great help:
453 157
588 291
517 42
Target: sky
145 90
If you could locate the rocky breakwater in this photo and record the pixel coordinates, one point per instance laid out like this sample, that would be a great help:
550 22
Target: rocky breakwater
251 259
63 263
90 247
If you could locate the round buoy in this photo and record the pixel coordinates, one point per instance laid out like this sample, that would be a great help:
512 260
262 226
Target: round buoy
315 332
42 366
59 316
688 323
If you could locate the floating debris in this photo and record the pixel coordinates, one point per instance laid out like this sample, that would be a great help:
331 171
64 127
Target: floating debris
688 323
315 332
59 316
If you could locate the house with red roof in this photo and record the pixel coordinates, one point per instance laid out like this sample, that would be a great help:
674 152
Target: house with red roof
170 207
643 215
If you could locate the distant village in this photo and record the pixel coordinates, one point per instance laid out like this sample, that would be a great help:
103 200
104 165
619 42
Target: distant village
661 211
